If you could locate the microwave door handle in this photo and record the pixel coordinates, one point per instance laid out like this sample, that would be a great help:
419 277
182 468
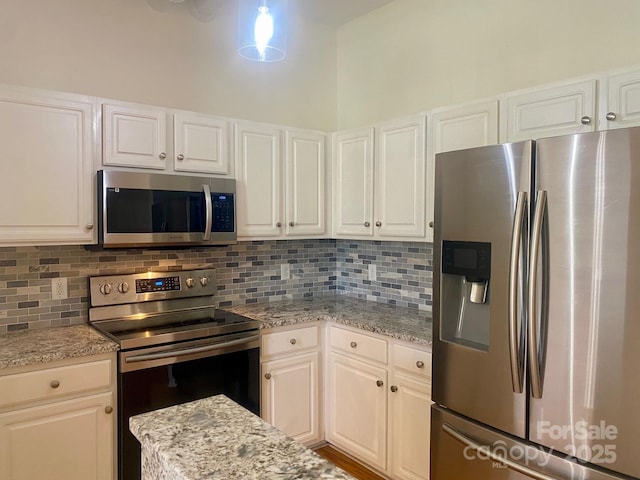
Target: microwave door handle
515 354
208 214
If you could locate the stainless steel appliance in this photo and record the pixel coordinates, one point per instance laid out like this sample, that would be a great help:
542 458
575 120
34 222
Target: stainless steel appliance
175 347
536 301
146 210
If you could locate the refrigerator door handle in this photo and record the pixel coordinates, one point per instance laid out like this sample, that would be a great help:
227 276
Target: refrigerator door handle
532 333
486 451
515 353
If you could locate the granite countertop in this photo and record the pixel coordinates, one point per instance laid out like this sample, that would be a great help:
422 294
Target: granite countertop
402 323
32 347
217 439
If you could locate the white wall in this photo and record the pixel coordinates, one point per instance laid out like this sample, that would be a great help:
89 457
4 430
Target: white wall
124 49
414 55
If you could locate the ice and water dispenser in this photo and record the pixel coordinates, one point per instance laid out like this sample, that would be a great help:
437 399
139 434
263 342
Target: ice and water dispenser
466 293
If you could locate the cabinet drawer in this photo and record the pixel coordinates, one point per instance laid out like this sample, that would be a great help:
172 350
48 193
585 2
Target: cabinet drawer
54 382
359 344
289 341
412 360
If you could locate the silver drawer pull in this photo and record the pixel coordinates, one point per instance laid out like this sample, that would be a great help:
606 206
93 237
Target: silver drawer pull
292 341
419 364
54 384
353 344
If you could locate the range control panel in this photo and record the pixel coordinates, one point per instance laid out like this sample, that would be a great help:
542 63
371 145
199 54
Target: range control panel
151 286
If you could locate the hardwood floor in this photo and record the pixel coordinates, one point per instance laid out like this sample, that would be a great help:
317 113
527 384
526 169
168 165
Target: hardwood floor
346 463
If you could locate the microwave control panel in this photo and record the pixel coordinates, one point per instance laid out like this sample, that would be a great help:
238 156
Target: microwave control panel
223 208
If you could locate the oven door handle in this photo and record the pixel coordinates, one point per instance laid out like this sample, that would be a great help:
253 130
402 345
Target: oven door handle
189 351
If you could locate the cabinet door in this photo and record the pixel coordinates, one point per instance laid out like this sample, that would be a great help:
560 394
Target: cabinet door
290 396
400 179
46 174
200 144
410 421
552 111
304 183
258 177
357 409
457 128
624 100
353 183
134 136
70 440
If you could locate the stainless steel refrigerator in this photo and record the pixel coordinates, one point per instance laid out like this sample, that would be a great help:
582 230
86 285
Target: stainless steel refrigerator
536 353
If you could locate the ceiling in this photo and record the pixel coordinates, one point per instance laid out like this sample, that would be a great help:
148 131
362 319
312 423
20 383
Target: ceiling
329 12
335 12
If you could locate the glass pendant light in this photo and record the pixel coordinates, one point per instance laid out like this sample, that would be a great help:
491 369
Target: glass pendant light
262 30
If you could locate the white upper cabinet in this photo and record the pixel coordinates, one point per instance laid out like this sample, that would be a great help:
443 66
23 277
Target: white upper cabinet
46 172
353 182
380 190
560 109
623 101
279 195
259 179
134 136
200 144
456 128
139 136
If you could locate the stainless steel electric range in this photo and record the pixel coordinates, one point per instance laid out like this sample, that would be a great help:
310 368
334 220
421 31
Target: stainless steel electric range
175 347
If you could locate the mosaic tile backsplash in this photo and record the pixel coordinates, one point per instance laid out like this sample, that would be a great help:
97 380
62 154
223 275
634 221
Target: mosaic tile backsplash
247 272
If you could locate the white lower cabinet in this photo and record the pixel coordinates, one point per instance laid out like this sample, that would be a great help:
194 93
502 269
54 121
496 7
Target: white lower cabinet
291 382
58 428
379 401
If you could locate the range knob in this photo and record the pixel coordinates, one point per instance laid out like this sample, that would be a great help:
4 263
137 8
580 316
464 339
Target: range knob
105 288
204 281
123 287
190 282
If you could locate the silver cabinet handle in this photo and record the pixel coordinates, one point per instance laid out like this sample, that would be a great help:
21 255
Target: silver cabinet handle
291 224
611 116
108 409
89 226
532 330
494 456
162 156
420 364
586 120
180 157
279 224
394 389
54 383
379 383
517 362
353 344
367 224
292 341
208 212
267 376
430 224
378 224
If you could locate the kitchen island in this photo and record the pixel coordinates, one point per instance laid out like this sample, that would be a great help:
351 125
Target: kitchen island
217 439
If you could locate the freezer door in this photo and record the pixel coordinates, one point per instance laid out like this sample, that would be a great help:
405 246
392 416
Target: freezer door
465 450
481 222
588 323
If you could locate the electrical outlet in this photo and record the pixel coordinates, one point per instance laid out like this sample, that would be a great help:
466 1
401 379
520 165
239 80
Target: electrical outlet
59 288
285 271
373 274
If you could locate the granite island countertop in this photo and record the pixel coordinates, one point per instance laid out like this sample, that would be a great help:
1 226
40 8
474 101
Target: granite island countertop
217 439
402 323
32 347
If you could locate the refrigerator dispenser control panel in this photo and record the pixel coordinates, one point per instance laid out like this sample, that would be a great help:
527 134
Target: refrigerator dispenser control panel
471 259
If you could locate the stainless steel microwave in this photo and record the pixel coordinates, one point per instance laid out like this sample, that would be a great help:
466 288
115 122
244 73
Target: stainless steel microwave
152 210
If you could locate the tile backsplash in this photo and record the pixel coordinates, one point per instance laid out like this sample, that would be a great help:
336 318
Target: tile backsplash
247 272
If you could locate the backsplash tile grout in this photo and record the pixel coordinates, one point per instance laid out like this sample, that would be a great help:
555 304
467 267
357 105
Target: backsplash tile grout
247 272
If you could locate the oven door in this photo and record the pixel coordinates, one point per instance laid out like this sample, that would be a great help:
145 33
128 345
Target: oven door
154 378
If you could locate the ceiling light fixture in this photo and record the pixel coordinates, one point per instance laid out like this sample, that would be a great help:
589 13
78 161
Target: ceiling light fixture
262 30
